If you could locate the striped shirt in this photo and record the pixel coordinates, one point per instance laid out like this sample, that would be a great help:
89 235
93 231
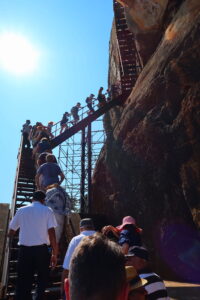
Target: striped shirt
155 287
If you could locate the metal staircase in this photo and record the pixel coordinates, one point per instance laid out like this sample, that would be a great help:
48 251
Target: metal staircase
23 189
130 65
25 173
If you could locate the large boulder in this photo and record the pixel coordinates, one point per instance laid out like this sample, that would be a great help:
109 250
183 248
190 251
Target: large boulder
150 165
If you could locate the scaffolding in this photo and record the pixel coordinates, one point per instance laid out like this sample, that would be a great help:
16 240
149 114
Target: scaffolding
77 157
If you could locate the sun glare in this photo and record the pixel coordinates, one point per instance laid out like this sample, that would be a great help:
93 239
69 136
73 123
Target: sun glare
17 55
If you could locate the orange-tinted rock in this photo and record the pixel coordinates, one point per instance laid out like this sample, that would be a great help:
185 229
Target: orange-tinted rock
150 165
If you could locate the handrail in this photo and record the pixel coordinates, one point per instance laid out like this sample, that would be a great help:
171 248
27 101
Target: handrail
16 179
12 211
4 262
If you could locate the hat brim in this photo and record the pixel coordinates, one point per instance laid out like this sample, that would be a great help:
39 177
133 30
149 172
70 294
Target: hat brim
138 284
133 278
122 225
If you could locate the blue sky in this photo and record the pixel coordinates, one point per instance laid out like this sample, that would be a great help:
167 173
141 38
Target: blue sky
73 40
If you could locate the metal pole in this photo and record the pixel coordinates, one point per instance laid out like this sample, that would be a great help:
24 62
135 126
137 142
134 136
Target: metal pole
89 166
82 188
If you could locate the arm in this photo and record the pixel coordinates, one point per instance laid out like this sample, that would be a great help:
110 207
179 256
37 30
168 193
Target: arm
125 248
14 224
11 233
72 245
38 136
64 275
62 177
124 241
52 238
108 228
35 150
37 180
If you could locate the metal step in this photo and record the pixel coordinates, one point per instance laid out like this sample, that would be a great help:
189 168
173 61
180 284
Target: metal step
25 189
51 293
25 193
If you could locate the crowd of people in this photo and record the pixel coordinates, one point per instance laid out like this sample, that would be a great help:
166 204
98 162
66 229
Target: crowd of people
112 264
40 135
102 99
40 225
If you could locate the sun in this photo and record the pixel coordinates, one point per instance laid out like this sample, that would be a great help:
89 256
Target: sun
17 55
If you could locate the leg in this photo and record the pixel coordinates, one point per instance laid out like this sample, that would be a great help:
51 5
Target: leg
90 108
59 229
26 141
62 127
25 273
66 126
42 258
76 118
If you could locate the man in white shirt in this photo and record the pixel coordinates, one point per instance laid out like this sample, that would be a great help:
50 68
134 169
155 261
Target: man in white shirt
86 229
36 223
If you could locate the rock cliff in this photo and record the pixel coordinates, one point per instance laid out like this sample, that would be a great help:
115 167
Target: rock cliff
150 165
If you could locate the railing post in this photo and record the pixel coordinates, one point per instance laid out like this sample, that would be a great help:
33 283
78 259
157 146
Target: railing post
89 142
82 188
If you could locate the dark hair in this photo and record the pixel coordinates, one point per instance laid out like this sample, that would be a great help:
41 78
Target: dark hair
97 269
139 252
87 223
42 158
44 139
38 195
128 226
50 158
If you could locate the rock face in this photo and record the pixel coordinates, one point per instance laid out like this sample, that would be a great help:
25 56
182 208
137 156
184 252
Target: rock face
150 165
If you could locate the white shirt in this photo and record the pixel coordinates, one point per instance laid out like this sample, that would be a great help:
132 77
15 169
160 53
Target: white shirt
33 220
73 244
